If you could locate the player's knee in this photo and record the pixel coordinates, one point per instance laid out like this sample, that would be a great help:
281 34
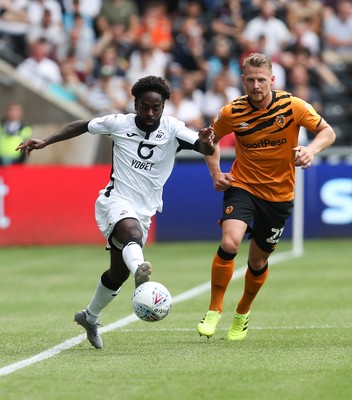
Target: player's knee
125 232
230 245
257 262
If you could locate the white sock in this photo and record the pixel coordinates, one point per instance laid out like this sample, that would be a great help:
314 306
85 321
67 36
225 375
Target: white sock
132 255
102 297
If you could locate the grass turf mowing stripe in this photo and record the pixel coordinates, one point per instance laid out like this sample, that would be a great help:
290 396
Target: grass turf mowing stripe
196 291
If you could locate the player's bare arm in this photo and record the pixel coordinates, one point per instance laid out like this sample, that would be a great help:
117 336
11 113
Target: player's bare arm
222 181
324 137
205 143
69 131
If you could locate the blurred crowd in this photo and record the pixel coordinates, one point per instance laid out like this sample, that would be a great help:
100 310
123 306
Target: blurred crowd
92 51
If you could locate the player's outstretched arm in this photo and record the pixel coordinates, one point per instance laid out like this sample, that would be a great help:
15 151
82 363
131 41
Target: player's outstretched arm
69 131
206 139
221 180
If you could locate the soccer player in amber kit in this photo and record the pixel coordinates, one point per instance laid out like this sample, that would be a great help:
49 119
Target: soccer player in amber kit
259 189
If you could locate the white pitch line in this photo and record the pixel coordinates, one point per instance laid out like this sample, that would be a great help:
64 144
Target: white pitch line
67 344
253 328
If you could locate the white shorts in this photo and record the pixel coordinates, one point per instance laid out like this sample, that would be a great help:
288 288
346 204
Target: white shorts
112 209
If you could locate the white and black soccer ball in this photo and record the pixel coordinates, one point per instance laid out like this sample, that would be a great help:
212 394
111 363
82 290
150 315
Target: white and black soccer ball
151 301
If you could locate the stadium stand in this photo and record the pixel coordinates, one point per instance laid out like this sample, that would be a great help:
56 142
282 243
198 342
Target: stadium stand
185 32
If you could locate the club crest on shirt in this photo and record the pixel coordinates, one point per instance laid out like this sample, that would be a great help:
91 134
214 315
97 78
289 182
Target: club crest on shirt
280 121
159 135
228 210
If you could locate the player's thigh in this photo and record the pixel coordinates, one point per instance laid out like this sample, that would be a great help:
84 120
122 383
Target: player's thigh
110 211
238 212
269 223
128 229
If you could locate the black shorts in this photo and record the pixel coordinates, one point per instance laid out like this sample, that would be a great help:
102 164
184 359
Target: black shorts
265 219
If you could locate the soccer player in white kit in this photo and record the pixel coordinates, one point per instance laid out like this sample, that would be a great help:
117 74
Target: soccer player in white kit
144 150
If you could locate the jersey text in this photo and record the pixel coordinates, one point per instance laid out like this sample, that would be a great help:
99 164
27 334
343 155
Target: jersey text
147 166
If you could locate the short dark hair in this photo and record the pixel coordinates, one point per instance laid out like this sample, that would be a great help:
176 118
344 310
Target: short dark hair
151 84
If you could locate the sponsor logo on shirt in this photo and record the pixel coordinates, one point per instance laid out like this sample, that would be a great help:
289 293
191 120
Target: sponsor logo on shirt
265 143
143 165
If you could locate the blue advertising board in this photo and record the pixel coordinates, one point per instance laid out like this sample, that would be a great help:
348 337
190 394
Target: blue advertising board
192 207
328 200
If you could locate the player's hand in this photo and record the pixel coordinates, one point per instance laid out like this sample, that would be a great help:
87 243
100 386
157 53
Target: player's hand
222 181
207 135
31 144
304 157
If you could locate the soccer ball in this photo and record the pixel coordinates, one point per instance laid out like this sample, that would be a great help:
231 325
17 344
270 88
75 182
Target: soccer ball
151 301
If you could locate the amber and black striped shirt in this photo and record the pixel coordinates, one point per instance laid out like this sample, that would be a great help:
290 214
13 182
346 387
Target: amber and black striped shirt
265 139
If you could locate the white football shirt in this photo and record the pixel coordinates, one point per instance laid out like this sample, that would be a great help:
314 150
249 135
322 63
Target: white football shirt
142 162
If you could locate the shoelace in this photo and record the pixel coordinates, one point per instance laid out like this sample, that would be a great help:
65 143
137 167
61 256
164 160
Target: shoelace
239 323
212 318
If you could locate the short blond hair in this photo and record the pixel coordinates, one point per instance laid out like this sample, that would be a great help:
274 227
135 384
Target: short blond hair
258 60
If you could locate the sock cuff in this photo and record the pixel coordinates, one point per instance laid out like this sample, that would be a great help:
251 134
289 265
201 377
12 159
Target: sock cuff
258 272
225 255
107 282
133 241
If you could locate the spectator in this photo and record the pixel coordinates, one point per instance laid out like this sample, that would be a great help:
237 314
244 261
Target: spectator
191 91
110 57
220 93
13 131
36 9
179 106
88 9
192 12
53 32
267 25
72 89
188 55
320 73
156 22
229 21
303 36
38 68
337 34
109 94
299 76
222 61
305 11
13 29
80 41
121 12
146 60
112 35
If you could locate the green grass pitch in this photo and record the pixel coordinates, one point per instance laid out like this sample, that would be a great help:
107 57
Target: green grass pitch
299 344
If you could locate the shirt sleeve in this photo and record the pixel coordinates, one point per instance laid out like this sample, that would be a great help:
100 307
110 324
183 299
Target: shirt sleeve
305 114
102 125
222 122
183 133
